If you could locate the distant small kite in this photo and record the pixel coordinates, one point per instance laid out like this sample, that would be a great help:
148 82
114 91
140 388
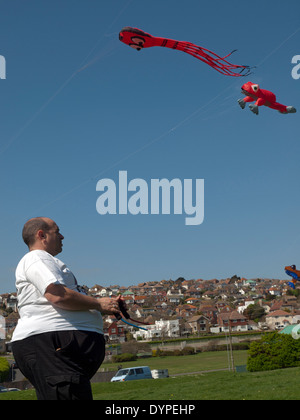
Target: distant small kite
262 97
295 274
139 39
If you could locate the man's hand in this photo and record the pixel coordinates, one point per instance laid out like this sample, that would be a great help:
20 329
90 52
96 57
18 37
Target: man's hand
110 306
70 300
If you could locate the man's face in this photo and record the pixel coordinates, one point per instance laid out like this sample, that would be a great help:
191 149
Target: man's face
53 239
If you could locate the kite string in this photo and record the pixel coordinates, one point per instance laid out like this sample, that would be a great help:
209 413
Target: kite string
278 47
37 113
125 158
157 139
82 67
133 153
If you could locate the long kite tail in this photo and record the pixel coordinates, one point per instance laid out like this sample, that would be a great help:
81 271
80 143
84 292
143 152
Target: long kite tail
139 39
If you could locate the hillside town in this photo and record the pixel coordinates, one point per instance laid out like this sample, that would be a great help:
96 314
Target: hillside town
185 308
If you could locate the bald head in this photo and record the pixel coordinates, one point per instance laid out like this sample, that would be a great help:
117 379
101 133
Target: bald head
42 233
32 227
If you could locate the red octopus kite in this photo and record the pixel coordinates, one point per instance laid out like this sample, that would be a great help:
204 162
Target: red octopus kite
139 39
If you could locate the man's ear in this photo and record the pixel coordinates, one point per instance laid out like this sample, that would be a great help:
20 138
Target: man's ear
41 235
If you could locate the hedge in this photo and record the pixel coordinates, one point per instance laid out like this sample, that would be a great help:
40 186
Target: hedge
125 357
184 352
4 369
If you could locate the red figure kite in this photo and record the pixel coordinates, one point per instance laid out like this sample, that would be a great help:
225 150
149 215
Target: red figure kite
138 40
262 97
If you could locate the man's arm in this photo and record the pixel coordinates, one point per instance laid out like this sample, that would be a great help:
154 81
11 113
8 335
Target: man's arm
70 300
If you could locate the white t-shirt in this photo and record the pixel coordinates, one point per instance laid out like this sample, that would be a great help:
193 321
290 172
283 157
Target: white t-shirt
35 272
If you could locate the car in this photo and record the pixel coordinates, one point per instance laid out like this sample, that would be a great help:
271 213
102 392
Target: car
132 374
4 389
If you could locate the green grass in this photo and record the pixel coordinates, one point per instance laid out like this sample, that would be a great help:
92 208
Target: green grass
273 385
183 364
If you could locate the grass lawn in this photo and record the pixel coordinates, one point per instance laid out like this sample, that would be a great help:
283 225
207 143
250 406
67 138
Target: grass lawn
273 385
185 364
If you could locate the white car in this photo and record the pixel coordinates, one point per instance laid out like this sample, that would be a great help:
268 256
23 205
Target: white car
4 389
132 373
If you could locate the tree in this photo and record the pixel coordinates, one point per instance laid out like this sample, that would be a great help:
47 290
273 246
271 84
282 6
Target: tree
234 279
254 312
274 351
292 292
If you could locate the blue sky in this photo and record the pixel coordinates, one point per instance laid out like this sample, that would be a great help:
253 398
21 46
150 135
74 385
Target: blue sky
78 106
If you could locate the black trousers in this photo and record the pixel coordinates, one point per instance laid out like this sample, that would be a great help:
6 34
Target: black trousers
60 364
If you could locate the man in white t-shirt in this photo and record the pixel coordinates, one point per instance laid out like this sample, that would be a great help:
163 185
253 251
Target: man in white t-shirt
58 343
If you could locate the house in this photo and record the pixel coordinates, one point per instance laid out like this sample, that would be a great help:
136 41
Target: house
276 320
2 334
126 292
140 300
243 307
288 304
233 321
249 283
275 291
186 311
100 291
157 288
199 323
209 312
95 289
9 301
174 299
149 311
192 300
194 292
115 289
137 311
169 328
115 332
11 322
128 299
187 284
2 328
210 294
161 329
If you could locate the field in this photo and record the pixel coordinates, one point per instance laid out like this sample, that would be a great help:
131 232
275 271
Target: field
186 364
274 385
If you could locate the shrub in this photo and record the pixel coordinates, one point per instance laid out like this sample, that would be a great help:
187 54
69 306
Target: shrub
274 351
125 357
4 369
187 351
163 353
